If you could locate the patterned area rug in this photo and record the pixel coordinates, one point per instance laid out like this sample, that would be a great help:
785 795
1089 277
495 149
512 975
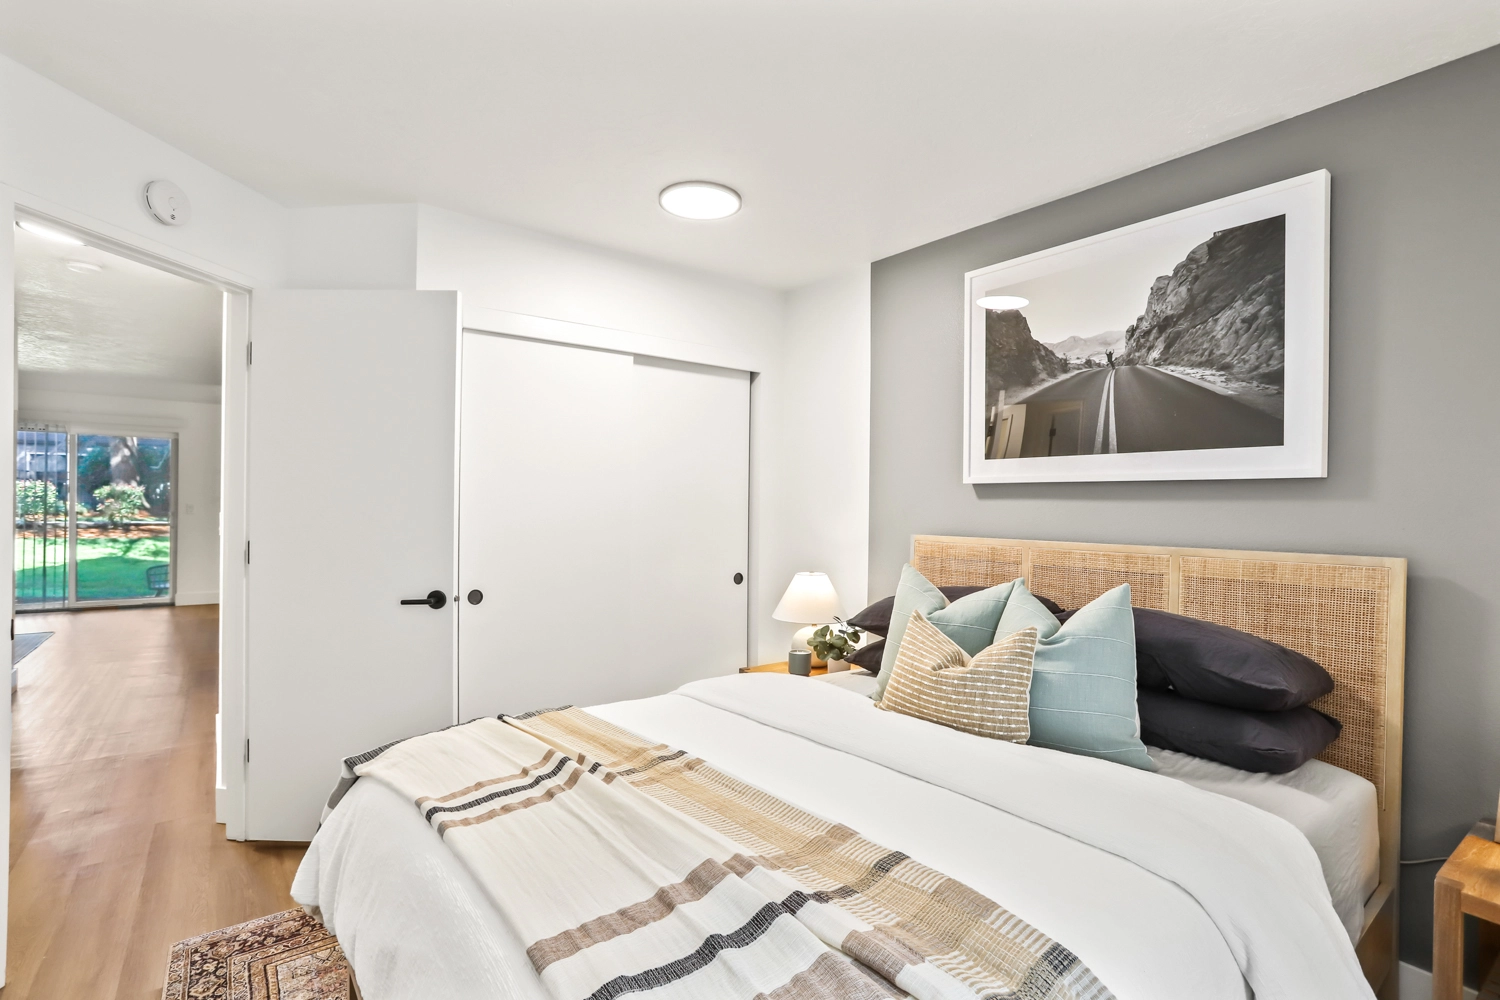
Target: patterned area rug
286 956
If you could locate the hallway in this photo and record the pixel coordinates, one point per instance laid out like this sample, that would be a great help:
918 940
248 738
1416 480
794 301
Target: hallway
114 851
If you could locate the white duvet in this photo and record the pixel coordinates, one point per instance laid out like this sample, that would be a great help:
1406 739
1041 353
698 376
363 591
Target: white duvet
1164 890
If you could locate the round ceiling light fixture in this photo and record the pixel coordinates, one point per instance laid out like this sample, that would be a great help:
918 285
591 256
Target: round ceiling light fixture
48 233
699 200
84 266
998 302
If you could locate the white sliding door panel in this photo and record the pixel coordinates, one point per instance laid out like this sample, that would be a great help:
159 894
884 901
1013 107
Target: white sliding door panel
690 523
350 508
544 526
603 515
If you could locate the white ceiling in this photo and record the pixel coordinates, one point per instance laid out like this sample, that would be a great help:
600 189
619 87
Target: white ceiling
126 319
854 128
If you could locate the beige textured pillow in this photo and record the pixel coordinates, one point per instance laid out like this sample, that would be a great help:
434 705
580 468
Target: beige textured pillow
988 696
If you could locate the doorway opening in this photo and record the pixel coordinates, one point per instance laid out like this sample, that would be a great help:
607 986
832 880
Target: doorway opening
118 434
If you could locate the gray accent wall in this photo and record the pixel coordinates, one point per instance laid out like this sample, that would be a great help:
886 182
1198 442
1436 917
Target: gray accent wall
1414 413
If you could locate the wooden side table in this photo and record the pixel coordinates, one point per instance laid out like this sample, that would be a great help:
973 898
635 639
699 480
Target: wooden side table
1468 882
777 668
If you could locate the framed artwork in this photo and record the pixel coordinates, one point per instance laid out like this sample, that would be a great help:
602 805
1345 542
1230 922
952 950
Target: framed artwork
1190 346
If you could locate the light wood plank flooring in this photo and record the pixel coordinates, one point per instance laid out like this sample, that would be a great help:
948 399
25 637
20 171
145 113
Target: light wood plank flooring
114 853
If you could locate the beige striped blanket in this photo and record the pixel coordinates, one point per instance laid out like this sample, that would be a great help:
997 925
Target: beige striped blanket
633 868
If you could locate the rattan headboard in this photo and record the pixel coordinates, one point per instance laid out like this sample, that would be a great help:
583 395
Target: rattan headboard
1346 612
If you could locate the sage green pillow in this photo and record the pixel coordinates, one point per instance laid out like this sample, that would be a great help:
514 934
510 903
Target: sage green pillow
1083 678
914 593
971 620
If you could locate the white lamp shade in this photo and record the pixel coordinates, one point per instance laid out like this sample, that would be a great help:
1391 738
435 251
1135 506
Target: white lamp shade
810 600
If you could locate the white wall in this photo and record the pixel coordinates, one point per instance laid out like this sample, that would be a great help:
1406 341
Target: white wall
73 159
353 246
812 490
94 403
504 269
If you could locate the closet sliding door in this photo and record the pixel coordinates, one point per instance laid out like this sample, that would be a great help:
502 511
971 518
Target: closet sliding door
603 520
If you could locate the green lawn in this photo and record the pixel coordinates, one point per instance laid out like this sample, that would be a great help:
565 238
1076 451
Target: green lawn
108 568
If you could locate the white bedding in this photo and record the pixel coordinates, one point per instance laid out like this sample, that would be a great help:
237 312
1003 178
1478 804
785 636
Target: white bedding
1335 809
415 924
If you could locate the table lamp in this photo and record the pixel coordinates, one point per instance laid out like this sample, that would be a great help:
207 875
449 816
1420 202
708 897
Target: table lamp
810 600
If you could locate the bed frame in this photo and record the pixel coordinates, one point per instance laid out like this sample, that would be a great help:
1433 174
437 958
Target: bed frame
1346 612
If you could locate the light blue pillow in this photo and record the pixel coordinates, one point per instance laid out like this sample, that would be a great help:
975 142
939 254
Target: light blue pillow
914 593
1083 677
971 620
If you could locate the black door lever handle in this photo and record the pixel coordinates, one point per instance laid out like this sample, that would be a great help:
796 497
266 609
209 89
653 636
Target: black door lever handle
434 600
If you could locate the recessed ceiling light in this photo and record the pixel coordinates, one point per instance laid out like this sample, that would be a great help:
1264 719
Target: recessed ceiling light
84 266
700 200
55 235
1001 302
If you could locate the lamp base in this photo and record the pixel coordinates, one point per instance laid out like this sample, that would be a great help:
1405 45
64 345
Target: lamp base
803 640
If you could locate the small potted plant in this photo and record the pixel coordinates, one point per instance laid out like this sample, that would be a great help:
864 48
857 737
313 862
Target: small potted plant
835 643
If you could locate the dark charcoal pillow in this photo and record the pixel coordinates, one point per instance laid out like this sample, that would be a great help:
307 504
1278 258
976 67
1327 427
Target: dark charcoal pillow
868 656
877 617
1222 665
1267 742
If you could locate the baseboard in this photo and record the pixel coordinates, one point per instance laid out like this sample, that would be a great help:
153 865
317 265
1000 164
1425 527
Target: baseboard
219 794
196 597
1416 984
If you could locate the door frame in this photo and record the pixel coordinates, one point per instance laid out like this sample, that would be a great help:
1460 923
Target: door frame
238 287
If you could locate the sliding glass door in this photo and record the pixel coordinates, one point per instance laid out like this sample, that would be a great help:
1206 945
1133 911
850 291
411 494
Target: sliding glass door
42 527
94 519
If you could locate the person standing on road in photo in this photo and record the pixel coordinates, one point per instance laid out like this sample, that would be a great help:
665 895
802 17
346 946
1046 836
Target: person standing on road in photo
1110 357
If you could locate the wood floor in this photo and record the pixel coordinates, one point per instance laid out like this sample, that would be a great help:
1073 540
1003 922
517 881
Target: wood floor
114 853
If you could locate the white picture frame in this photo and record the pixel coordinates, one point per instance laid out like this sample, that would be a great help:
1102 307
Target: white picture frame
1067 270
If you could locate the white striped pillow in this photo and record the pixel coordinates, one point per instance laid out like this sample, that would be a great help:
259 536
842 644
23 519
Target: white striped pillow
988 695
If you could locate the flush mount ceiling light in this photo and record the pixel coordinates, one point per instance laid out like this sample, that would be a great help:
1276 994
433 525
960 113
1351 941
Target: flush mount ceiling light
84 266
1001 302
699 200
47 233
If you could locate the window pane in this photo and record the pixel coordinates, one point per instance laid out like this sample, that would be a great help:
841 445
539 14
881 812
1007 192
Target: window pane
41 519
124 517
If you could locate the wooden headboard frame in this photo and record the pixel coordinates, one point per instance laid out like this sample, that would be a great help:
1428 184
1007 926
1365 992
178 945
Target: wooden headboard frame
1346 612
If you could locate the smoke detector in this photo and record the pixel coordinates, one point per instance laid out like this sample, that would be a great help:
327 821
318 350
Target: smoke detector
168 203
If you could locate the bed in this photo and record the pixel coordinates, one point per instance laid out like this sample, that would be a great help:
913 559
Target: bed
1153 917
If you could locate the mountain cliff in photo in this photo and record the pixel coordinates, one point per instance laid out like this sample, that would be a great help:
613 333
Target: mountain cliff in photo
1223 307
1013 359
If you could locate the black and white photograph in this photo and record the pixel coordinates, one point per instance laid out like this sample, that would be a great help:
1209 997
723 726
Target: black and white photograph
1171 337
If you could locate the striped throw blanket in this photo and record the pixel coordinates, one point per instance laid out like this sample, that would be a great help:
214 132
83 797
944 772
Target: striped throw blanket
628 867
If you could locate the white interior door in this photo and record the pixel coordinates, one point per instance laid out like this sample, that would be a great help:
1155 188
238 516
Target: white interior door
350 510
603 506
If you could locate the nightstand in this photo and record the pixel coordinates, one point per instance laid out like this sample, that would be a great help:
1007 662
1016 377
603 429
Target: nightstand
1468 882
777 668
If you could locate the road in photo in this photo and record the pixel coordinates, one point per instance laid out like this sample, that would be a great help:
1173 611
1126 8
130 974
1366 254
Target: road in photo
1151 410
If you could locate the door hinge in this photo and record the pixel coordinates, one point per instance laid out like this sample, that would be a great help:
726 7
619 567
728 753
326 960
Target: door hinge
247 552
249 353
247 750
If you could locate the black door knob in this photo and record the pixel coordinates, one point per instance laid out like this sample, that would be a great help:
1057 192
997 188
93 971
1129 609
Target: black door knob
739 578
434 600
475 596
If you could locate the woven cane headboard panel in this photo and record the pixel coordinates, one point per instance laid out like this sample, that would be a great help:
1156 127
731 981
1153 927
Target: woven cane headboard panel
1346 612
